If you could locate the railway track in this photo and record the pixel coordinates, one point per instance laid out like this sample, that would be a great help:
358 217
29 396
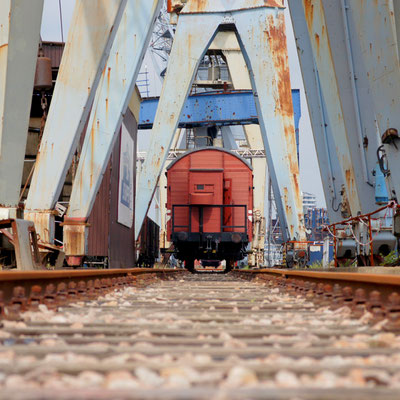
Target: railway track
206 336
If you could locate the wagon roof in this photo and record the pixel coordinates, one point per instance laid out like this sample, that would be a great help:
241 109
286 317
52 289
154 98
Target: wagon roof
209 148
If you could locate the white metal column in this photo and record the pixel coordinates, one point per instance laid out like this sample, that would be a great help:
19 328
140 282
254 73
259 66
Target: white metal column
19 37
91 34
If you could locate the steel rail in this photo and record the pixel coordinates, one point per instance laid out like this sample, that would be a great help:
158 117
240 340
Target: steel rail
385 284
19 290
72 274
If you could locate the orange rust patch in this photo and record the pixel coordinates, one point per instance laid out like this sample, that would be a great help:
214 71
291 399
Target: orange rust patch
309 12
317 41
276 35
108 78
273 3
202 5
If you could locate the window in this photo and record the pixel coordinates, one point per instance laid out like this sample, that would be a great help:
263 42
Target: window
199 187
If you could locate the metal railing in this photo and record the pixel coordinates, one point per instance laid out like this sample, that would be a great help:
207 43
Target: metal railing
201 208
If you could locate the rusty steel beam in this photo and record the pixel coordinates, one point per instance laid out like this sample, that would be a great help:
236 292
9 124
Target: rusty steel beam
109 107
193 36
238 71
92 32
20 23
269 72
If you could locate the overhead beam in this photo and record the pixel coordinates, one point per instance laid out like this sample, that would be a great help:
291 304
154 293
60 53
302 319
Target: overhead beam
235 107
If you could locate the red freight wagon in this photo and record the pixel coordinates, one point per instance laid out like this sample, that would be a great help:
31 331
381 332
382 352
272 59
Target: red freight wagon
210 206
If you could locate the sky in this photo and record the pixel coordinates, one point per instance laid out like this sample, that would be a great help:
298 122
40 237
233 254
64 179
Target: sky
309 171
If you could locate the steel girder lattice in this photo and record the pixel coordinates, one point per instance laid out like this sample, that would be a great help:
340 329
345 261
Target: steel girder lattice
261 35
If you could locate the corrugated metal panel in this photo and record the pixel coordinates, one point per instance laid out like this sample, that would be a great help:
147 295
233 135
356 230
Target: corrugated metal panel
99 219
54 51
122 239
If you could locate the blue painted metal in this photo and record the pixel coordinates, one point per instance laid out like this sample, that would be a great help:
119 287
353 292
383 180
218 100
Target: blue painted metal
215 108
381 193
316 255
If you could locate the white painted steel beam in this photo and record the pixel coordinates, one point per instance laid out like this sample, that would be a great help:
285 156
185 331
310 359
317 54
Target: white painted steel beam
329 53
111 101
193 37
375 27
227 42
315 17
91 34
269 72
271 84
229 142
20 23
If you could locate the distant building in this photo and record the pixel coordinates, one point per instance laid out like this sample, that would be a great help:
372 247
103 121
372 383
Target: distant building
309 201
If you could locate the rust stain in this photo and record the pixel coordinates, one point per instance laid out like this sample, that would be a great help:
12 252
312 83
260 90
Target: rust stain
92 149
275 33
108 78
309 11
273 3
202 5
317 42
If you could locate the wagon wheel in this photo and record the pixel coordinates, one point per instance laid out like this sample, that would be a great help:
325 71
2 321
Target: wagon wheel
189 265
